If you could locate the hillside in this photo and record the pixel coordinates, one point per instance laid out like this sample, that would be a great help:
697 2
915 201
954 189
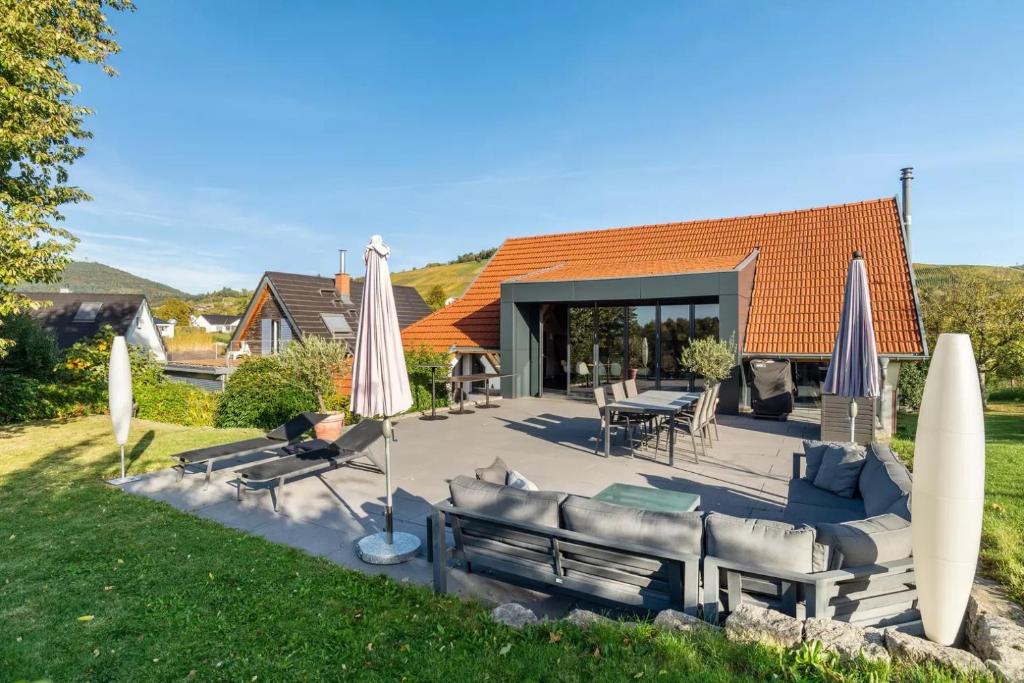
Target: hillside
929 275
453 277
88 276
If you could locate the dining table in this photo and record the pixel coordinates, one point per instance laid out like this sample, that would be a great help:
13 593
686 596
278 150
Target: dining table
463 380
658 402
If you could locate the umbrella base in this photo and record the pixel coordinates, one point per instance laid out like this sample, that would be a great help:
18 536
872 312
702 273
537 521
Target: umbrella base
374 549
121 481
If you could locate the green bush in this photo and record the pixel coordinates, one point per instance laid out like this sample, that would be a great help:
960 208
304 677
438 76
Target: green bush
176 402
911 384
26 398
262 393
34 353
419 376
710 358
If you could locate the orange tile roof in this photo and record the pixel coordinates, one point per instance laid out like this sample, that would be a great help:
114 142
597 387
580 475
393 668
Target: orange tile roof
798 287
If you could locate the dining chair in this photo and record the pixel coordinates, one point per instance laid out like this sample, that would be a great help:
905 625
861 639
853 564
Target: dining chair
631 389
611 418
618 391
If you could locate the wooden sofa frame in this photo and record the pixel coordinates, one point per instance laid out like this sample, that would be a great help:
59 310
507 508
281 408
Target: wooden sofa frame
579 564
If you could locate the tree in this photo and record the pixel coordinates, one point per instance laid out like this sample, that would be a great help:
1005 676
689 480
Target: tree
989 308
316 362
41 133
176 309
436 297
710 358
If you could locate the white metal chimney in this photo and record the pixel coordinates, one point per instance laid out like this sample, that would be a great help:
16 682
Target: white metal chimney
906 176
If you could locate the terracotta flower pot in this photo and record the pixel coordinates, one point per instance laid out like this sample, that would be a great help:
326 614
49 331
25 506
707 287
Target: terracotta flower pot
329 428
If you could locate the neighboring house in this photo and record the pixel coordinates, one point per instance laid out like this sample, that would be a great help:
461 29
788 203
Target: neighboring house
288 306
215 322
165 327
72 317
556 311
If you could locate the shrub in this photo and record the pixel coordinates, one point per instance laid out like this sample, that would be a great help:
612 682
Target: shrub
34 352
175 402
315 362
262 393
710 358
26 398
911 384
419 376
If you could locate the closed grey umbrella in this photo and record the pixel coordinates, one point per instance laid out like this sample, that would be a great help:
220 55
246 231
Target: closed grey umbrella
853 370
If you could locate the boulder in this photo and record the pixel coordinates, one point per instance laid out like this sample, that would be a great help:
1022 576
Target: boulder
675 620
514 615
996 639
748 623
847 639
921 651
584 619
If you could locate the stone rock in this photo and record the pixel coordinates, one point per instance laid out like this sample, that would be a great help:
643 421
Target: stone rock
996 639
514 615
849 640
675 620
584 619
922 651
748 623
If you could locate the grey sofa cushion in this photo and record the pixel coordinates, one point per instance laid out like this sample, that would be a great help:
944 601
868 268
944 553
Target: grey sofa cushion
495 473
885 483
680 532
516 505
840 470
867 541
764 543
814 451
806 493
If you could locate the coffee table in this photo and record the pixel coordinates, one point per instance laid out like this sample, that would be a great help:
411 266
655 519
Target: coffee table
647 498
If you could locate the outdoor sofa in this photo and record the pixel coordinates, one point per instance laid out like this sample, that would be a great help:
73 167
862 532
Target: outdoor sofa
851 565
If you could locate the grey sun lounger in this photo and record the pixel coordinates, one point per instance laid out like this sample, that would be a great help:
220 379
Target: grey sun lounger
326 456
290 432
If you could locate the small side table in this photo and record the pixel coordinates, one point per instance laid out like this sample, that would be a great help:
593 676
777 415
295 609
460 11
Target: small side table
433 395
647 498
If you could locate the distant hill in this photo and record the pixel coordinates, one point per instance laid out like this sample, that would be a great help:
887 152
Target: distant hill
453 277
929 275
89 276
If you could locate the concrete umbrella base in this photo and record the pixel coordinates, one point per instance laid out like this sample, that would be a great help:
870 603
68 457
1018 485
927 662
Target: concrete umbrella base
375 549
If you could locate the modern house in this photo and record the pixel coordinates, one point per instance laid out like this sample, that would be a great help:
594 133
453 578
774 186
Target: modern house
215 322
562 312
166 327
72 317
288 306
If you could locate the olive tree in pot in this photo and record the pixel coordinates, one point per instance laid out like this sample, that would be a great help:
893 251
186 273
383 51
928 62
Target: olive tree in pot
318 363
710 358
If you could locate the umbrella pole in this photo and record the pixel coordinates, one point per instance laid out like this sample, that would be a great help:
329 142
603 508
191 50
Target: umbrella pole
122 461
389 528
853 420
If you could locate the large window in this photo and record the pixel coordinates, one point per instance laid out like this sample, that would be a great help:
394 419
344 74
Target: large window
643 345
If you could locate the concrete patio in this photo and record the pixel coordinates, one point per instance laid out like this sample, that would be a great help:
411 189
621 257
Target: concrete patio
551 441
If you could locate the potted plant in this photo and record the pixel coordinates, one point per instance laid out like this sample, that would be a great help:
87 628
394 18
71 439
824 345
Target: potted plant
318 363
710 358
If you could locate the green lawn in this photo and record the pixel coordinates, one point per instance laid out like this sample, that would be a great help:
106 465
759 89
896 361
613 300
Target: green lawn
1002 550
99 585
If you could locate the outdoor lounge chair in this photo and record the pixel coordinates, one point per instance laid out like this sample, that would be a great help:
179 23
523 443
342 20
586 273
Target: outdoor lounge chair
325 456
290 432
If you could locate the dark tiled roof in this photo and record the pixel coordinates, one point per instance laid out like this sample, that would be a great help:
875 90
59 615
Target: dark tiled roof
307 296
218 319
116 310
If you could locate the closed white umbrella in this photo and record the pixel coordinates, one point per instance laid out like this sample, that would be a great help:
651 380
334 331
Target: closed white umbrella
853 370
119 393
380 387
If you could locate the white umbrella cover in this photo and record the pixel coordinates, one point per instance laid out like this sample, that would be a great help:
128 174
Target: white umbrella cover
119 392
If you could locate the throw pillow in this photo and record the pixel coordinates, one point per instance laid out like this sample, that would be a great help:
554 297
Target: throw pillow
497 473
814 451
517 481
840 470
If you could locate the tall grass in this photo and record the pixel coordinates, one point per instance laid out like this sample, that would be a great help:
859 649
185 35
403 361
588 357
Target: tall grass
190 340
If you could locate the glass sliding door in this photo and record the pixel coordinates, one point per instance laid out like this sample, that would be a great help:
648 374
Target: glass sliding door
554 359
581 349
643 346
611 344
675 335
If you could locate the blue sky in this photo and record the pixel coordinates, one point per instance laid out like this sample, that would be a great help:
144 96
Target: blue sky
245 136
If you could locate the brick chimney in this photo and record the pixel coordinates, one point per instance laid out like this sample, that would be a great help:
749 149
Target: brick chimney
342 280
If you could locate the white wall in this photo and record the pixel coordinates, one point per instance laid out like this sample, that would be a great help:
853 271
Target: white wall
143 332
